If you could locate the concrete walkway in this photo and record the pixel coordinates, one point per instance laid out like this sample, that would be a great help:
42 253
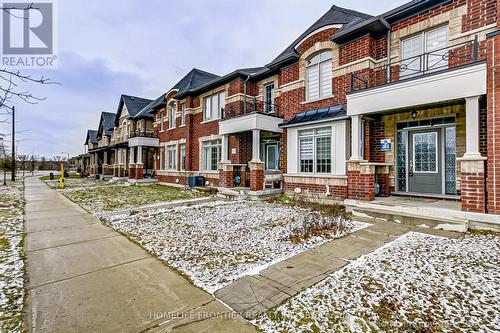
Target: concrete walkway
85 277
253 295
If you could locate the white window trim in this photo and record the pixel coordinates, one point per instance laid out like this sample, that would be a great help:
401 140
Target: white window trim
202 166
183 115
171 116
435 134
422 36
167 150
314 136
273 96
330 95
219 112
182 168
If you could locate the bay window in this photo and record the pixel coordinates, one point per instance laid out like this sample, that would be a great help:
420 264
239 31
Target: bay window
319 76
315 150
210 155
213 105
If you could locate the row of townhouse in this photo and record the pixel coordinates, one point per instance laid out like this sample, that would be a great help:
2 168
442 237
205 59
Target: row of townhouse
357 106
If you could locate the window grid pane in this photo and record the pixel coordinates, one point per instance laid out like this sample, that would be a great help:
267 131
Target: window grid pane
323 154
306 155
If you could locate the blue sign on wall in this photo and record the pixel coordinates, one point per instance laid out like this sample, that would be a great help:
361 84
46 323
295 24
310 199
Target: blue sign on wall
385 145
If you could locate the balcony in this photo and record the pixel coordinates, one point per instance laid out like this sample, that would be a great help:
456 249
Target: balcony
146 138
446 74
258 114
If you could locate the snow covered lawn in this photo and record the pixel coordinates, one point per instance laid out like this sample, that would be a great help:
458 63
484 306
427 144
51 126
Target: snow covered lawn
72 183
108 198
11 258
418 283
216 243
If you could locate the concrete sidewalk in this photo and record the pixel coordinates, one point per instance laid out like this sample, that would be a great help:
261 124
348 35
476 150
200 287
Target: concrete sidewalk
253 295
85 277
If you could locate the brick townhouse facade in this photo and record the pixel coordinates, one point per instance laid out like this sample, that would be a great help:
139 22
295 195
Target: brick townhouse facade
358 106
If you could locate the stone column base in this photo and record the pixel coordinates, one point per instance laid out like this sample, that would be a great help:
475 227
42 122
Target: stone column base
139 172
473 187
256 176
131 171
226 175
360 180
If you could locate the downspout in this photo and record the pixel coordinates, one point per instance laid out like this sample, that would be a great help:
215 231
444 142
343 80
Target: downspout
388 37
245 94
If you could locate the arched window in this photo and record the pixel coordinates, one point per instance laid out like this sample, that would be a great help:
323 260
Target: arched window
319 76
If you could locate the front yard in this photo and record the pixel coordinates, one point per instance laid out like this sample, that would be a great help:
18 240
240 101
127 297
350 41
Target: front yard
216 243
418 283
96 199
11 258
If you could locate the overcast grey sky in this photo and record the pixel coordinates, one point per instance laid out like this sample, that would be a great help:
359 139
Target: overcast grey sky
143 48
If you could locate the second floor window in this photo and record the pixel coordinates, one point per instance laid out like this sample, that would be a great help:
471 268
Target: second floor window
171 115
161 121
183 114
269 98
424 52
319 76
212 106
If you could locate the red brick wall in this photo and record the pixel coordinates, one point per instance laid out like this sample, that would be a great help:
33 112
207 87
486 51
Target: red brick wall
358 49
493 122
360 186
472 192
256 180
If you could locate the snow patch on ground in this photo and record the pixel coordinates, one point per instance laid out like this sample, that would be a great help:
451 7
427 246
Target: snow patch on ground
416 283
216 243
11 258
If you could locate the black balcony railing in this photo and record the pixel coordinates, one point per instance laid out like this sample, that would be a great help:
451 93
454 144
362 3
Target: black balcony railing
438 60
143 134
252 105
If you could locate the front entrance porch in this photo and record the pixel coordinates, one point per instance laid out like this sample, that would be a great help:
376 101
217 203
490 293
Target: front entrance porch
429 151
250 156
142 154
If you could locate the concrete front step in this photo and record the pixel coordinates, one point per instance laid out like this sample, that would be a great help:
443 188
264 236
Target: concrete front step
412 216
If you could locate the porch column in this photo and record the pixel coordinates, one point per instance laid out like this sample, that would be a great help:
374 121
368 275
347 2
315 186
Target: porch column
472 127
472 185
256 145
356 138
131 164
105 158
225 149
138 165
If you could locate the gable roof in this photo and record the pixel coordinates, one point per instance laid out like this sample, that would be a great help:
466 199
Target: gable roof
192 80
106 124
133 104
91 137
219 80
336 15
148 110
380 24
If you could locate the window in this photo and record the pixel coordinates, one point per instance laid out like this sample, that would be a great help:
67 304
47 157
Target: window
162 158
269 98
315 150
171 115
171 158
425 152
212 106
433 43
182 156
183 114
211 155
319 76
161 121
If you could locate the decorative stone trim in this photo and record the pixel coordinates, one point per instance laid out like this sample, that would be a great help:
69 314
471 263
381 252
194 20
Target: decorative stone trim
317 180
